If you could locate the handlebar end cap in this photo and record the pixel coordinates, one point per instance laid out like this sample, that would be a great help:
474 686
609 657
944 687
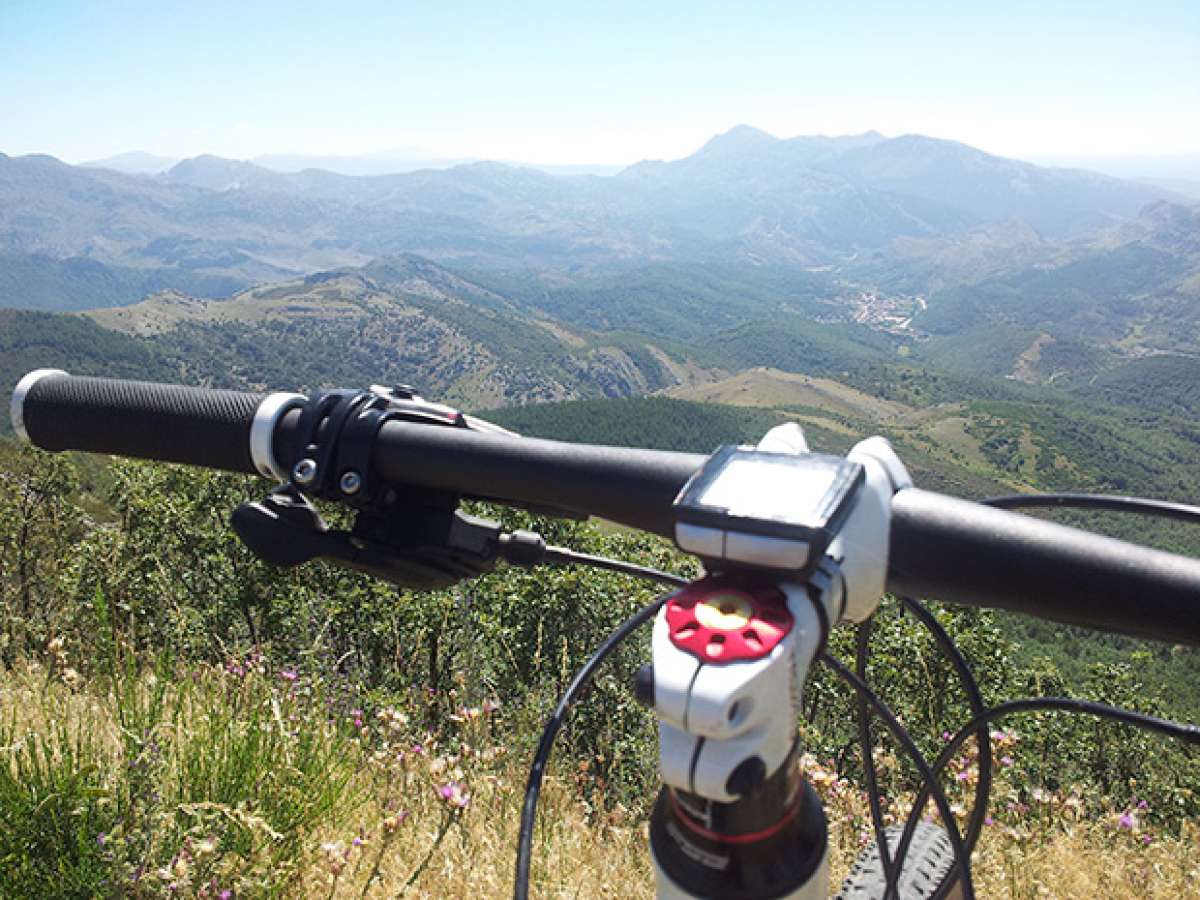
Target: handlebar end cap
19 395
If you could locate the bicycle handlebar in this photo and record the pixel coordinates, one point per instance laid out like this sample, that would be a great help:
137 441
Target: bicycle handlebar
942 548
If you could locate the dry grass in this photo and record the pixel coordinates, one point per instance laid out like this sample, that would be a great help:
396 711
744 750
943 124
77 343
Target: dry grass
405 839
576 857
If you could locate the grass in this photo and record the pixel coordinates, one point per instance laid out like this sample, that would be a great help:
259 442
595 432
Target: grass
242 782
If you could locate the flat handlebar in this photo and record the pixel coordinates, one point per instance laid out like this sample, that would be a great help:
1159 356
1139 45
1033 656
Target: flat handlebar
941 547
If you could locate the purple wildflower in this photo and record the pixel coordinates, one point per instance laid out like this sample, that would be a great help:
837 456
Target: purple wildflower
1126 821
454 793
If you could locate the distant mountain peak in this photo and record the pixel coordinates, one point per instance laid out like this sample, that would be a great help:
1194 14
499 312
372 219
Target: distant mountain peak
739 139
210 161
221 174
136 162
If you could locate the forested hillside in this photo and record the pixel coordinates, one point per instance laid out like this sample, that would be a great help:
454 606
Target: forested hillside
33 340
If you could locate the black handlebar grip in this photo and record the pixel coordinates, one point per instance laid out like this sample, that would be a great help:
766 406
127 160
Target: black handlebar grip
198 426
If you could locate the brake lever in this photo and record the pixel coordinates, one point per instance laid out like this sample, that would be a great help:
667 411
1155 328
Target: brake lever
430 549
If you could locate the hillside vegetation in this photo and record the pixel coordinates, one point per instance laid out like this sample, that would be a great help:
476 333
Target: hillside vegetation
189 721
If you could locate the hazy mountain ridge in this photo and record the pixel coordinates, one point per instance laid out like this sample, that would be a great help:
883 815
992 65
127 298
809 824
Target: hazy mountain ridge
1132 290
948 253
743 197
135 162
954 185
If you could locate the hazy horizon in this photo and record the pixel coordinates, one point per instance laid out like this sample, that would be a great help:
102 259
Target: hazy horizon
1167 166
548 84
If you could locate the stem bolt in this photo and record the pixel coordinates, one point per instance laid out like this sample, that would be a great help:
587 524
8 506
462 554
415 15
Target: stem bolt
304 472
351 482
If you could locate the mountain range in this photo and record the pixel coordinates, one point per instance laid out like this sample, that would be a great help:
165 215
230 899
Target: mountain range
497 284
386 163
744 197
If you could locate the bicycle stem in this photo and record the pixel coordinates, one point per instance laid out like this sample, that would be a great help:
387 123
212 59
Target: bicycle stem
735 817
731 657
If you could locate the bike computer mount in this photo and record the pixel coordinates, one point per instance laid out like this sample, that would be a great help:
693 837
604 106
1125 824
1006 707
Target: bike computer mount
766 509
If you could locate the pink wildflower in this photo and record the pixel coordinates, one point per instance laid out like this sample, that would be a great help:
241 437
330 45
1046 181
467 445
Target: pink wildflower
454 793
289 675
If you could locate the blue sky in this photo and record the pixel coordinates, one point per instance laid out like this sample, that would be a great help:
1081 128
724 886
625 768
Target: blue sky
592 82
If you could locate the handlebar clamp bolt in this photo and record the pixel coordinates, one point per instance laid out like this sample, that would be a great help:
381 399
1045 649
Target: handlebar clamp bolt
350 483
304 472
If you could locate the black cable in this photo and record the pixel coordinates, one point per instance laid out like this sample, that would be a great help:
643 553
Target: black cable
978 724
983 787
914 752
550 733
564 556
891 872
1188 733
932 785
1158 508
